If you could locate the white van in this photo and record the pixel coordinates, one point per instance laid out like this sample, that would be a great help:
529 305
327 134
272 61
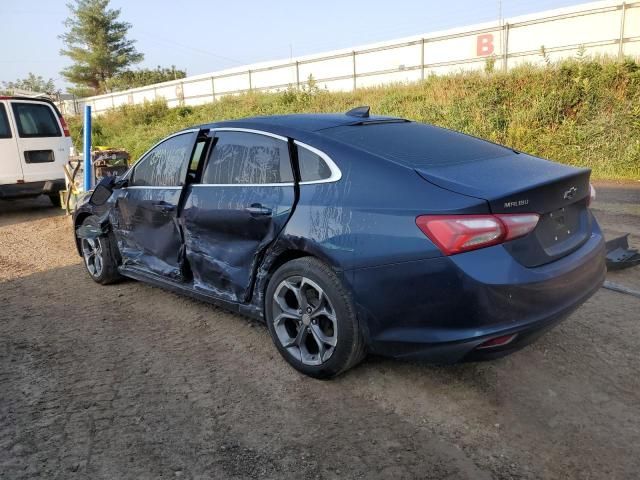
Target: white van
34 146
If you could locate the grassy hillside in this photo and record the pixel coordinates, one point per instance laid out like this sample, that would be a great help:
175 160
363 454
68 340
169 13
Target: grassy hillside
580 112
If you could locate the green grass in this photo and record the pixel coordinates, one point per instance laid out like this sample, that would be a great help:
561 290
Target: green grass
583 112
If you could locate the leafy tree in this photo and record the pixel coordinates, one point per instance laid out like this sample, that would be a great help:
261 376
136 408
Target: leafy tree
33 83
96 41
140 78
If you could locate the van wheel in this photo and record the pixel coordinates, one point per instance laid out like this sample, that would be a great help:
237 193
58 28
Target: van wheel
312 320
101 257
55 200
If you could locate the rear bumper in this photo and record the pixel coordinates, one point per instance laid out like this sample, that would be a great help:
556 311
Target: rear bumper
31 189
441 309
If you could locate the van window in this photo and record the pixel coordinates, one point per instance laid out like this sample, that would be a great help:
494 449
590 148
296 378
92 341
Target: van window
35 120
248 158
5 131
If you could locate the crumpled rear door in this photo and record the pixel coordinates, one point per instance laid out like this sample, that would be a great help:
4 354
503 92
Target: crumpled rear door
246 197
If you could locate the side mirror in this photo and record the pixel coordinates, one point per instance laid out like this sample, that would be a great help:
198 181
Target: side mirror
100 195
104 189
120 183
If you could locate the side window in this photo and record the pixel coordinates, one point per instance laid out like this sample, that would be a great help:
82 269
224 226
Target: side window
166 165
312 166
35 120
197 153
5 130
248 158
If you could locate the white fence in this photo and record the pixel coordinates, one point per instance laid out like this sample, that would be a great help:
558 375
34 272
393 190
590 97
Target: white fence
606 28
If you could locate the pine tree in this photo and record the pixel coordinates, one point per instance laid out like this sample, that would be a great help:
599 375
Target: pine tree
96 41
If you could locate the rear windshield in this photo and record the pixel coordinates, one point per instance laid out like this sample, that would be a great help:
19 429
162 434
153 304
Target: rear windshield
417 144
35 120
5 131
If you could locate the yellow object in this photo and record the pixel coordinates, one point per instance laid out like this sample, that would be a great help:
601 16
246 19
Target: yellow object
72 202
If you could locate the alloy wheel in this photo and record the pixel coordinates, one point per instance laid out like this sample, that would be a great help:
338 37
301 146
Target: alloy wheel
92 253
304 320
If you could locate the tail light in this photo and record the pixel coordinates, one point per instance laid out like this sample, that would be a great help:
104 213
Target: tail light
461 233
592 195
65 128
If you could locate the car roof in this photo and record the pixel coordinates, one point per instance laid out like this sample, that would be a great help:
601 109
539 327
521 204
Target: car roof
21 97
32 99
307 122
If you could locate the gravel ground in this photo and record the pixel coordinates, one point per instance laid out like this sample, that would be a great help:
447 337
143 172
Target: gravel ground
130 381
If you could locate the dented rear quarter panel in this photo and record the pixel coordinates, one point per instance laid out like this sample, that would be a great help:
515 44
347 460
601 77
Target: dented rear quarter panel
364 219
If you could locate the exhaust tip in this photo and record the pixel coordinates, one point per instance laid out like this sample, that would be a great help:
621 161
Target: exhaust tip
497 342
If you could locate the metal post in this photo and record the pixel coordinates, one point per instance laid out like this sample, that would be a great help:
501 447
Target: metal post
87 148
213 88
297 75
506 47
250 85
354 71
622 22
422 61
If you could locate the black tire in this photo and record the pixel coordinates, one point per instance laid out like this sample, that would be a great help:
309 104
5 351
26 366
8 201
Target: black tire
349 347
55 200
109 256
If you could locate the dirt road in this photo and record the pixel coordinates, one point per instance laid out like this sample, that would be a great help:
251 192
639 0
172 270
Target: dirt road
129 381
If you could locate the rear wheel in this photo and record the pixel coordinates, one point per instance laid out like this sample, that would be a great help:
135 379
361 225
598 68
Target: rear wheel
55 200
312 320
100 256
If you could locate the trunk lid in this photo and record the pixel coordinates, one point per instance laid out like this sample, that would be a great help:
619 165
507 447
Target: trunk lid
520 183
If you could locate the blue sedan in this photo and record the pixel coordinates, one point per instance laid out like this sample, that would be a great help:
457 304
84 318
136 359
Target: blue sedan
353 233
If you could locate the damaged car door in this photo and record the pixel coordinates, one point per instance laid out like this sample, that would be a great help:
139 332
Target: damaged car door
244 199
146 210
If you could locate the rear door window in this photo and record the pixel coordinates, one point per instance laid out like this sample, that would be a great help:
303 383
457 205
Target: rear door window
35 120
5 130
248 158
166 165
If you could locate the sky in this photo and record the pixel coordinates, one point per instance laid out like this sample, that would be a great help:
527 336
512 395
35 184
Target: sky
205 36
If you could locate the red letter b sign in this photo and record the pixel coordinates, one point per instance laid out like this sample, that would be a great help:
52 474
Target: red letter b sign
485 45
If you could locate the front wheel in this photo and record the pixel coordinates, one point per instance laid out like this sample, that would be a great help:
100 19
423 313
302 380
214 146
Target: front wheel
100 256
312 319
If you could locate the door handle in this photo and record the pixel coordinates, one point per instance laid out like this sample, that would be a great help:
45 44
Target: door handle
257 209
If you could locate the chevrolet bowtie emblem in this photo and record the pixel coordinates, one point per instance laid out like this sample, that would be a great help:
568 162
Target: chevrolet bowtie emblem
569 194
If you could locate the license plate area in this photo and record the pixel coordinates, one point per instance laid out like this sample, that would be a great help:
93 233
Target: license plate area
557 234
562 229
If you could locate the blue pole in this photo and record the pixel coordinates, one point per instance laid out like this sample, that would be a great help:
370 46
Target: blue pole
87 148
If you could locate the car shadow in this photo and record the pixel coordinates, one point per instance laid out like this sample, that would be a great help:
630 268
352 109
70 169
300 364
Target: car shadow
559 399
26 210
